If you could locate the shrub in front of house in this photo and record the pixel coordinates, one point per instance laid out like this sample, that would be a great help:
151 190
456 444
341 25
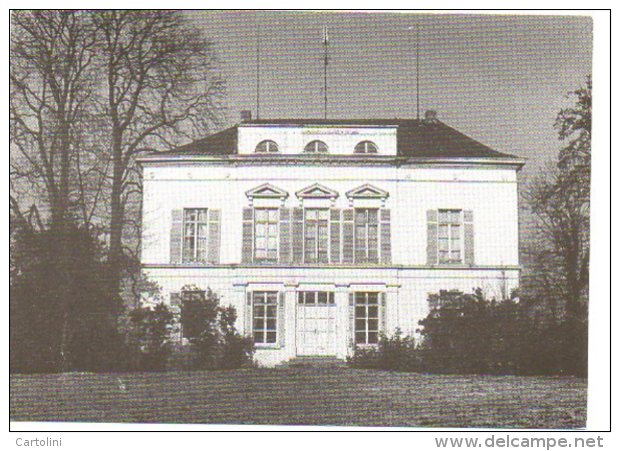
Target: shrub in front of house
393 353
150 337
466 333
557 347
210 329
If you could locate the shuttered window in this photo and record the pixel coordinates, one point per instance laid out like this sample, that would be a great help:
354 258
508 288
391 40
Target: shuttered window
366 318
265 317
195 234
366 235
266 235
450 236
316 235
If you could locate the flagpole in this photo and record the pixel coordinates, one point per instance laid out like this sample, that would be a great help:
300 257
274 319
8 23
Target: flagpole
417 71
257 72
325 44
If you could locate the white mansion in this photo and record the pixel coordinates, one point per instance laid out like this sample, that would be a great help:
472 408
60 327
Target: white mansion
324 233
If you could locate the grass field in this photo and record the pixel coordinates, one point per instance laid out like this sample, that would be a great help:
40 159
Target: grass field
310 396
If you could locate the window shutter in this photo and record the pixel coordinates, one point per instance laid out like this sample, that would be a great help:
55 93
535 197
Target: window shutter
281 319
431 237
248 235
248 314
383 314
386 236
213 250
352 318
176 236
468 238
285 236
347 235
298 235
334 235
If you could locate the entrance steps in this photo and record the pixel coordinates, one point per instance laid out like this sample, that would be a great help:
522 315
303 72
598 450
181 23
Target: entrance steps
314 362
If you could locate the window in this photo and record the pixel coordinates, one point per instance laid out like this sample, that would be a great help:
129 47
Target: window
265 314
316 147
366 318
266 235
366 235
316 235
449 236
193 304
194 235
267 146
366 147
315 297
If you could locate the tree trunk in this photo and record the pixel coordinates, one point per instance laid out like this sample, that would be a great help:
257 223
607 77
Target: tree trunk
63 242
115 251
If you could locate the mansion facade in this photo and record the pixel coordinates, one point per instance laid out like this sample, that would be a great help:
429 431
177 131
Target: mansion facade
323 234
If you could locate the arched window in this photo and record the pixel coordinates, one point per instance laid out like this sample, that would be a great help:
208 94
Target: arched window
267 146
366 147
316 147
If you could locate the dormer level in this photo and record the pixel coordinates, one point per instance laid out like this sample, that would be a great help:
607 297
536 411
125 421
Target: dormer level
295 139
357 140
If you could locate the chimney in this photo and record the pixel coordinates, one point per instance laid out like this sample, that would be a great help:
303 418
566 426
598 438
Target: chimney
430 116
246 115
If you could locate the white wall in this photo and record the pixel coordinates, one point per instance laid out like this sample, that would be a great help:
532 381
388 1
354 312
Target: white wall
491 192
293 139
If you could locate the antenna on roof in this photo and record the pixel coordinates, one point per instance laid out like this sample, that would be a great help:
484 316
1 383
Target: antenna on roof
257 72
417 69
326 62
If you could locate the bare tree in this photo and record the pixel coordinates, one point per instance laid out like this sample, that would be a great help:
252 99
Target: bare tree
560 202
89 91
52 54
160 87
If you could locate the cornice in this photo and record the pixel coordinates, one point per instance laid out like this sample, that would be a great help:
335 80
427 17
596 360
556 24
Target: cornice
323 160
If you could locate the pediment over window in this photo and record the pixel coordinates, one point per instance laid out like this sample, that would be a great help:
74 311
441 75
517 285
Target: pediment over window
317 191
367 191
266 191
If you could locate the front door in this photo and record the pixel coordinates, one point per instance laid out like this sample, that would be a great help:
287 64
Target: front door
316 323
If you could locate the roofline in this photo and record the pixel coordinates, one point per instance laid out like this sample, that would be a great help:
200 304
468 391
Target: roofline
396 160
316 124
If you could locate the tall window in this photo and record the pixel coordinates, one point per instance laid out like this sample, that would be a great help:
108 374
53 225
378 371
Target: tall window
195 235
316 147
366 235
449 236
316 235
266 235
366 147
265 313
267 146
366 318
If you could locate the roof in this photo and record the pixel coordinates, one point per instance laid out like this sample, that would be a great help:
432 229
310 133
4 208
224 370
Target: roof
415 138
220 143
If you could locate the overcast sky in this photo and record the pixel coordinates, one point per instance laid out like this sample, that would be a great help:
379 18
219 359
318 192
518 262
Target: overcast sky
499 79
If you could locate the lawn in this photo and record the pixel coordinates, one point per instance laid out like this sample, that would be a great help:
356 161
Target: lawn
310 396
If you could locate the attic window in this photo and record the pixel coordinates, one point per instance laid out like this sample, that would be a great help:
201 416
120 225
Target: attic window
267 146
366 147
316 146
